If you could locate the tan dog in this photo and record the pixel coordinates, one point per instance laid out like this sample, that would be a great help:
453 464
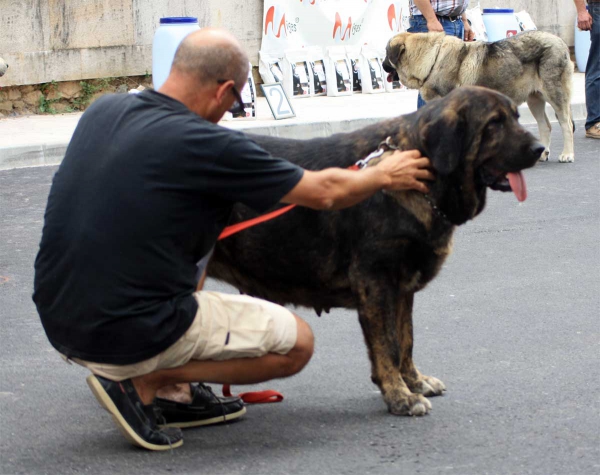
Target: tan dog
533 67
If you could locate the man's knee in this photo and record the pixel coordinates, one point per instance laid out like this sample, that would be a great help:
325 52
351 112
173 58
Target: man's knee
302 351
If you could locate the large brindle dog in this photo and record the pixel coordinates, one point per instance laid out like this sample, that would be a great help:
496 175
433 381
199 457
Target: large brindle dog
374 256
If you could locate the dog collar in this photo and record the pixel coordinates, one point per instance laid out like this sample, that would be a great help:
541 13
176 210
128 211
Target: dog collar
384 146
435 208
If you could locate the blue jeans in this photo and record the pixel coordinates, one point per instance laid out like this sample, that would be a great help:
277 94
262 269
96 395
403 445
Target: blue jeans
418 24
592 70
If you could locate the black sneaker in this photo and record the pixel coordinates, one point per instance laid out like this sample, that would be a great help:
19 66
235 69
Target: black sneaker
136 421
205 409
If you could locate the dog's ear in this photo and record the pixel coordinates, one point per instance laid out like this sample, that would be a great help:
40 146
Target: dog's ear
393 51
442 137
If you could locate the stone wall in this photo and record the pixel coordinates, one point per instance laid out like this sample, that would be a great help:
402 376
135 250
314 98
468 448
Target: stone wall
67 96
63 40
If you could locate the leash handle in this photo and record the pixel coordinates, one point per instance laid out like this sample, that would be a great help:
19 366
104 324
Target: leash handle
255 397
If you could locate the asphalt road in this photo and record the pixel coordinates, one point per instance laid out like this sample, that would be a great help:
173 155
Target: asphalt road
511 326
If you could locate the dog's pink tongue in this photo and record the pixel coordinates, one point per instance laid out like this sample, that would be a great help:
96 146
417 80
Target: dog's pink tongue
517 183
390 77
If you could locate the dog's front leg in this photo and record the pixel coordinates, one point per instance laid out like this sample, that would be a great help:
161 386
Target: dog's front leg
377 312
416 382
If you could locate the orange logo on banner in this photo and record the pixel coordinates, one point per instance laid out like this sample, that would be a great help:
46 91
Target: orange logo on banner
270 21
337 28
393 19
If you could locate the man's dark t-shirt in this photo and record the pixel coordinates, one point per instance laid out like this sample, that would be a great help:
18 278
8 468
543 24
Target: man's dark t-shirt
142 194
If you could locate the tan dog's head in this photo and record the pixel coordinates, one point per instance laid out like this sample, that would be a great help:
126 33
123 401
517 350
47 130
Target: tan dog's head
474 141
410 57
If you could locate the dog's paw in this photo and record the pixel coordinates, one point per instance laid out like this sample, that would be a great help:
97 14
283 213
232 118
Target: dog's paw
566 158
428 386
413 405
544 156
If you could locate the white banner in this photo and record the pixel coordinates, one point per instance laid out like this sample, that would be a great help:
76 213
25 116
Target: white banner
297 24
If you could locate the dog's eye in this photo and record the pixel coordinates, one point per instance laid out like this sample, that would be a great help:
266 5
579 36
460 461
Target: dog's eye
496 122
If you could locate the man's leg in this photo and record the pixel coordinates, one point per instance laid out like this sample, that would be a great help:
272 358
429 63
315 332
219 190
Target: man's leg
592 76
234 371
233 339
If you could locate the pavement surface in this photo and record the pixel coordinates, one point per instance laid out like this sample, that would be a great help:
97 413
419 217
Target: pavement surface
43 140
510 325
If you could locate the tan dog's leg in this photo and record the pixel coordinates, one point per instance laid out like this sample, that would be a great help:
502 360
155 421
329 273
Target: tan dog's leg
377 315
563 114
558 94
417 382
537 106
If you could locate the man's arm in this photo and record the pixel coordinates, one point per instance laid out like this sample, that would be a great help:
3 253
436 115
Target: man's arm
335 188
469 33
428 12
584 19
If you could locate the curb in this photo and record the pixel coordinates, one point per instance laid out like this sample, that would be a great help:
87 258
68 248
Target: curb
46 154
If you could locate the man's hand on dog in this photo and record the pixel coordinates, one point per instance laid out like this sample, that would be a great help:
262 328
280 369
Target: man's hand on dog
407 170
336 188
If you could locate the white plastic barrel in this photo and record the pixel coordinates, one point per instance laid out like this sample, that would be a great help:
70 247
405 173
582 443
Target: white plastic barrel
583 43
500 23
166 40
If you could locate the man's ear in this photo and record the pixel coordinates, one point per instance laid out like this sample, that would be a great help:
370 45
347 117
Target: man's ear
223 90
442 140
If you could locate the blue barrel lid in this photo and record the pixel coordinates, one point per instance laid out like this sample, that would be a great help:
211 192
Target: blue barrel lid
178 19
498 10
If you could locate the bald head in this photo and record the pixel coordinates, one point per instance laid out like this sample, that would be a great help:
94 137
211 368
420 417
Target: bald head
211 54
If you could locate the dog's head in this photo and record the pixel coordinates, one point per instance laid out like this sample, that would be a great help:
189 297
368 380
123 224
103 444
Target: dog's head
474 141
409 57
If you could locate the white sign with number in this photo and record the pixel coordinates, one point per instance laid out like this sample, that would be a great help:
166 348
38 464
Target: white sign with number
278 101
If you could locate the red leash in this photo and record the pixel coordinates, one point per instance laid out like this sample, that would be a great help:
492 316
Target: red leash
255 397
269 395
236 228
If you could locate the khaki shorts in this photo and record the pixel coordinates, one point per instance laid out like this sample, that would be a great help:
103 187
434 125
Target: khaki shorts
226 327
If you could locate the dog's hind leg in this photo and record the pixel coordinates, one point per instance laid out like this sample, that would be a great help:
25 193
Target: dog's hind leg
563 114
557 77
416 382
377 310
537 106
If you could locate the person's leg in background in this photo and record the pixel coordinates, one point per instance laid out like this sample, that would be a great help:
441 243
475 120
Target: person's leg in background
418 24
592 76
453 28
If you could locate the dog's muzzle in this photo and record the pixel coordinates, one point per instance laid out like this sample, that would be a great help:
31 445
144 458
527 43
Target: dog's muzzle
391 70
